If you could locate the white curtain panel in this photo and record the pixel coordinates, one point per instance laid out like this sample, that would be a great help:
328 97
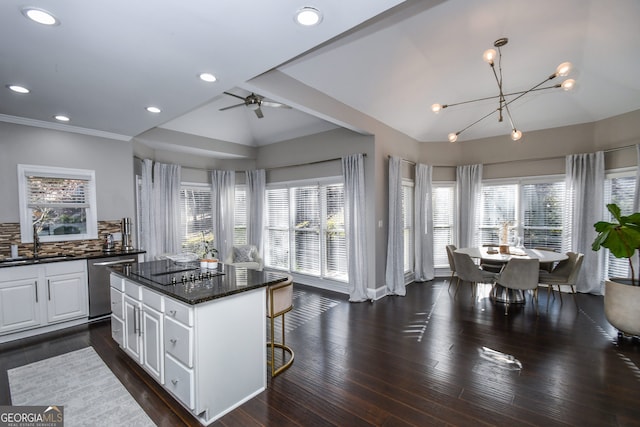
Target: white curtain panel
355 223
585 206
636 199
160 208
256 184
146 202
223 199
394 276
469 190
423 229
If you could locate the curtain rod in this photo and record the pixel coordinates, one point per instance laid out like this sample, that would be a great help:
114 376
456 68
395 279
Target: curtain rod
403 160
273 168
610 150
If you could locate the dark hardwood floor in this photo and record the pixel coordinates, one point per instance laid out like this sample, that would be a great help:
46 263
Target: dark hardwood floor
420 360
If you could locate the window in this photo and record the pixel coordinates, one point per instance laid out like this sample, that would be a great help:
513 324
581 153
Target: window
542 205
443 202
534 207
277 223
240 216
195 216
619 188
305 230
407 225
497 206
59 202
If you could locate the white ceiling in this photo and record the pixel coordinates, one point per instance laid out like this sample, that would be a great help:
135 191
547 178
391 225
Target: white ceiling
108 60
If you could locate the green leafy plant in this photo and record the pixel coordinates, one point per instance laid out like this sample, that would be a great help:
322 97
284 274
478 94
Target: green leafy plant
621 237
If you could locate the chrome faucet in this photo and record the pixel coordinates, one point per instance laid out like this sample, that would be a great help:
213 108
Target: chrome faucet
36 241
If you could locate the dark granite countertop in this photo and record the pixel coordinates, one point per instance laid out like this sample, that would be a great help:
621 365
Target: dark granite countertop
48 258
198 286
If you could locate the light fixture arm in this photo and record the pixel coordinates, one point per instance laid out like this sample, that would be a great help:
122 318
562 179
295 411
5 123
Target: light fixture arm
489 56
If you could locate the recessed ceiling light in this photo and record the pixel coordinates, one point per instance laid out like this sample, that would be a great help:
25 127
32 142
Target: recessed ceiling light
62 118
154 110
208 77
18 89
40 16
308 16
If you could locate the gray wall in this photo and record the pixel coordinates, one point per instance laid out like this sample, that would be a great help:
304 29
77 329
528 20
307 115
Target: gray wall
111 160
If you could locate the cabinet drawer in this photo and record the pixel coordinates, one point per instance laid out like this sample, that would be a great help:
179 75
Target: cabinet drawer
66 267
178 341
117 330
116 303
133 290
152 299
177 311
117 282
179 381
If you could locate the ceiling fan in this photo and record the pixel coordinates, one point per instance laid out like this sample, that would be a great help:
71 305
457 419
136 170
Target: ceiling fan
254 102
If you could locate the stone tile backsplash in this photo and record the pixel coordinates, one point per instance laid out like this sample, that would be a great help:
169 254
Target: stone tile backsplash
10 235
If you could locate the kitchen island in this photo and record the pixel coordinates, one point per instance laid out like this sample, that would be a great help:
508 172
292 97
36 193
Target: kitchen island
199 333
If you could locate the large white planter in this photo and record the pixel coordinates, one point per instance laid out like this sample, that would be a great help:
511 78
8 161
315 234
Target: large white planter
622 306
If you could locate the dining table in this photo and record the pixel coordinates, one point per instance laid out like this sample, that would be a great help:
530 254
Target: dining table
493 254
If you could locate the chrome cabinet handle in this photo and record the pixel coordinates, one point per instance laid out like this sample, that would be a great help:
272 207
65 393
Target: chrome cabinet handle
173 312
49 288
174 382
173 341
36 284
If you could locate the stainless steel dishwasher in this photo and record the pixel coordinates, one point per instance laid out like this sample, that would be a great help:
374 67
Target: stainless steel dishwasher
99 294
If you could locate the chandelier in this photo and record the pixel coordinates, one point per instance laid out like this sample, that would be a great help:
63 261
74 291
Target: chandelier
505 99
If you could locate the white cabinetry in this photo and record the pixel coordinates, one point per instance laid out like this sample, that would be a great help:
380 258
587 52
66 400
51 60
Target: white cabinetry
20 302
212 354
137 324
66 290
36 296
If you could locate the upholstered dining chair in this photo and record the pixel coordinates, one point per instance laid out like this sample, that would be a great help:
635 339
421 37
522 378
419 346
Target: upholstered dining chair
452 265
246 256
565 273
490 265
546 266
279 302
522 274
468 271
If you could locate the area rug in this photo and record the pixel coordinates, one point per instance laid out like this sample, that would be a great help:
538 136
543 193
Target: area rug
82 383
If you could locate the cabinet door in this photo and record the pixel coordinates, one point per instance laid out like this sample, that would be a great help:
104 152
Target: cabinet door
152 351
133 328
19 305
66 297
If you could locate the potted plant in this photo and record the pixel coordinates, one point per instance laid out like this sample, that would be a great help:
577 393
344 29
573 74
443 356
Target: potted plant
622 295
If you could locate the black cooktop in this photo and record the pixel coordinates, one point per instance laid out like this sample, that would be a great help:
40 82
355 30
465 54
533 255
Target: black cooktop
169 272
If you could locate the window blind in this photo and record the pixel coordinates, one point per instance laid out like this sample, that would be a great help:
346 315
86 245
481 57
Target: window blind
49 192
619 190
443 201
407 225
335 239
196 217
543 214
306 202
277 223
498 205
240 217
